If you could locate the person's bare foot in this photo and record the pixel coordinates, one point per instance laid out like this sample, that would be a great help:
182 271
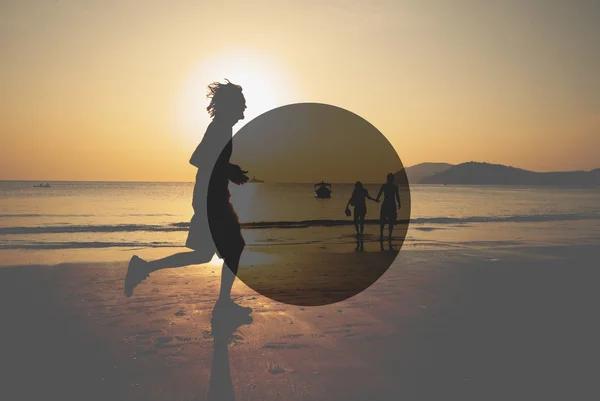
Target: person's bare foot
136 273
228 306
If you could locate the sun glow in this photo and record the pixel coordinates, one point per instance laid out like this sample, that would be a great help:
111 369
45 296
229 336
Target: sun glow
262 79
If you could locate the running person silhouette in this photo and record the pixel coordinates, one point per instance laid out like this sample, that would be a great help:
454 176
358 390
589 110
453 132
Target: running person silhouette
214 226
359 201
388 212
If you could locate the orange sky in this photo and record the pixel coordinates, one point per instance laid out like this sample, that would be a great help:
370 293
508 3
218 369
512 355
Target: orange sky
115 90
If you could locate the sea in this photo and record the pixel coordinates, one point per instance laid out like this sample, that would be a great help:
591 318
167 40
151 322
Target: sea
90 216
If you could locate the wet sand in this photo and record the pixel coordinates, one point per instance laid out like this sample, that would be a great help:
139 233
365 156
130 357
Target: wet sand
505 323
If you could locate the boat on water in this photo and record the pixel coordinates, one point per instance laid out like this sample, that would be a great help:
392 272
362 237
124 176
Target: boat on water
255 180
323 191
42 186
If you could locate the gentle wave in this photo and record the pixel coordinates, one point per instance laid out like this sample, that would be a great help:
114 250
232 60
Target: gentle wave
293 224
25 215
112 244
91 245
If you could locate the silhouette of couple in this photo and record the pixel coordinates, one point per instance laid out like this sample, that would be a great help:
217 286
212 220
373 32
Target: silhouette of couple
214 226
388 213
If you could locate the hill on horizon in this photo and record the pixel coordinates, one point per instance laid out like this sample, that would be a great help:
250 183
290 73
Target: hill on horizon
419 171
481 173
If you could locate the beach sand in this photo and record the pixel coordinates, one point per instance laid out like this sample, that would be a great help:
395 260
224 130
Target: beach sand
492 323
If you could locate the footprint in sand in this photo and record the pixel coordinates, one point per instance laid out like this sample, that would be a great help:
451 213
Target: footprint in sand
283 345
146 333
146 352
292 335
337 331
162 342
356 325
274 369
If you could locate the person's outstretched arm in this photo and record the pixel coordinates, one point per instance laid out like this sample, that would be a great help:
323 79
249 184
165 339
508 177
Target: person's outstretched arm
369 196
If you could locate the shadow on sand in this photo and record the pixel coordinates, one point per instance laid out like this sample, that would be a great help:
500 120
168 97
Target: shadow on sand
223 327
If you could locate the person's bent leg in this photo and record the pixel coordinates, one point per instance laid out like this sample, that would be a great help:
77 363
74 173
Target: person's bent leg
138 269
177 260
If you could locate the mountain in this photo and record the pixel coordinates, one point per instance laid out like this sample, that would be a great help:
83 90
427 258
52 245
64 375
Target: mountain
419 171
475 173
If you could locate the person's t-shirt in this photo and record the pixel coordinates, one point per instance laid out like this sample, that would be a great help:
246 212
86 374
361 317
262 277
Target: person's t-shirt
218 188
359 197
389 193
211 157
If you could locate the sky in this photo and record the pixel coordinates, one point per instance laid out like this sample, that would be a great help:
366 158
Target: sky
310 143
115 90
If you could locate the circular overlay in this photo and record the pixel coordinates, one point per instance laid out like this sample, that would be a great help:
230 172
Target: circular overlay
304 161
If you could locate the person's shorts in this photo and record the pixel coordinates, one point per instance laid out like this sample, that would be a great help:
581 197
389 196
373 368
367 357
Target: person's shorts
388 214
220 232
226 230
360 211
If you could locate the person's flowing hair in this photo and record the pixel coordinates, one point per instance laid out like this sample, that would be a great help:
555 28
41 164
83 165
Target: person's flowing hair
222 96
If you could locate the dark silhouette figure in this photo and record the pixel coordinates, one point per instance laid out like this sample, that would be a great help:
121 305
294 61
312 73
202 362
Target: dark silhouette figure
388 214
221 386
214 226
359 201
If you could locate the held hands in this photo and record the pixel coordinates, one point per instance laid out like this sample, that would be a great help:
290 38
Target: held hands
238 176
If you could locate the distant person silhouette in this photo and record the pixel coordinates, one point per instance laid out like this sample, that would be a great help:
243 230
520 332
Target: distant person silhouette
214 226
359 201
388 212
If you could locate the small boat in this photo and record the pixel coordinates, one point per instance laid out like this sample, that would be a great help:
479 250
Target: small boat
42 186
255 180
323 191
